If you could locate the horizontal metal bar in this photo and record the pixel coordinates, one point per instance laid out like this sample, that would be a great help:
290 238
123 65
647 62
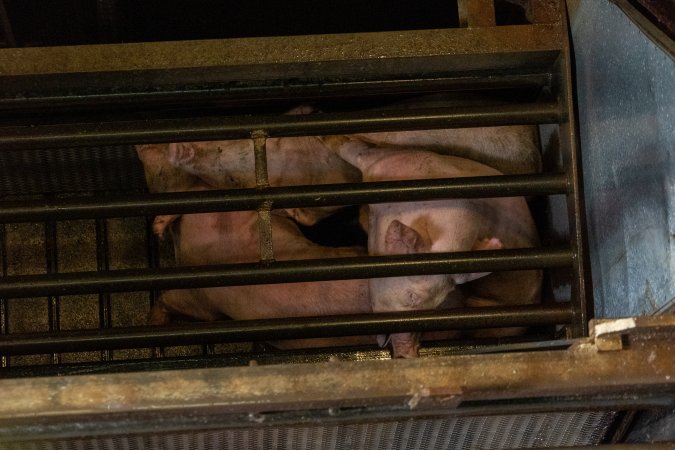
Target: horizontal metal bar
292 56
217 94
434 348
240 127
281 197
283 272
286 328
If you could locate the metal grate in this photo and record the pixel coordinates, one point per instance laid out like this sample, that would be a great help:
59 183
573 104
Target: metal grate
76 295
541 71
70 171
491 432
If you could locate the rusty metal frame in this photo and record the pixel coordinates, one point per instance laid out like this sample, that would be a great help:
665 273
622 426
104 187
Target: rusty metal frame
584 376
233 72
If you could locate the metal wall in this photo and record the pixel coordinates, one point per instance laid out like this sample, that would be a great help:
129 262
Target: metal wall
626 102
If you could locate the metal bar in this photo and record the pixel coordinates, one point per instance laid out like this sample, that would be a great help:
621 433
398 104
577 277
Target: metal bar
264 210
240 127
6 26
293 56
576 210
153 263
283 197
217 94
288 328
476 13
285 271
53 301
103 265
4 316
652 31
520 376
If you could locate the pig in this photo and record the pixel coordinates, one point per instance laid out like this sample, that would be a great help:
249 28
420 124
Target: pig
451 225
510 149
291 161
232 237
160 174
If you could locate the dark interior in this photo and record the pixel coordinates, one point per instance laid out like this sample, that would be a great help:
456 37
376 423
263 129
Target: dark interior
31 23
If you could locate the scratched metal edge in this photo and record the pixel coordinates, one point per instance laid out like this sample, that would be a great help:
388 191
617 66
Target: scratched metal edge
581 370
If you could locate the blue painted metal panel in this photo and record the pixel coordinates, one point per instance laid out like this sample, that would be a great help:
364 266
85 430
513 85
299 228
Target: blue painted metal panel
626 102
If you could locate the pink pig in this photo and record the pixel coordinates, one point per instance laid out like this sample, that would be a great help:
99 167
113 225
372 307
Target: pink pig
232 237
291 161
510 149
452 225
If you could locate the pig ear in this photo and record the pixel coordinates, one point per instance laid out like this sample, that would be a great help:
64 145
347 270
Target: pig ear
401 239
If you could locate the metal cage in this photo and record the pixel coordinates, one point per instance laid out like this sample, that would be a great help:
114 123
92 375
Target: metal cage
69 115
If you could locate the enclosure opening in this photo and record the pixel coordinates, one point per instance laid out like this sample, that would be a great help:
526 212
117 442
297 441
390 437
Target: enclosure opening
31 23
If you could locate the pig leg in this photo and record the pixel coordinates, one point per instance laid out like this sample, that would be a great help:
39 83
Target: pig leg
161 223
504 289
187 302
405 345
158 315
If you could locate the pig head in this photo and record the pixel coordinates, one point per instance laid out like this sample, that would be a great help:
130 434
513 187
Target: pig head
452 225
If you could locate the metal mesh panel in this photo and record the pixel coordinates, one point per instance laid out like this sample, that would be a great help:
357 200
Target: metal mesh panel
70 170
491 432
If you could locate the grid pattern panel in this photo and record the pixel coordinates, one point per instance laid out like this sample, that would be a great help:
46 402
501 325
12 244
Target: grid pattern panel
490 432
70 170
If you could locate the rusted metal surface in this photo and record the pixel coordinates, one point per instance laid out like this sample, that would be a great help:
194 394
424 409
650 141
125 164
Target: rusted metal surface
609 333
427 384
261 181
476 13
303 52
569 141
288 328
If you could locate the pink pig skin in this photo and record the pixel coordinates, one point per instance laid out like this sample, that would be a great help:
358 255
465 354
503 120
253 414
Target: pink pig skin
441 226
160 175
232 237
509 149
291 161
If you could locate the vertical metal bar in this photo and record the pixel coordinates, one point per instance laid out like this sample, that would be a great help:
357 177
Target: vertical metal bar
262 180
6 26
103 264
53 301
4 317
153 263
476 13
569 144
